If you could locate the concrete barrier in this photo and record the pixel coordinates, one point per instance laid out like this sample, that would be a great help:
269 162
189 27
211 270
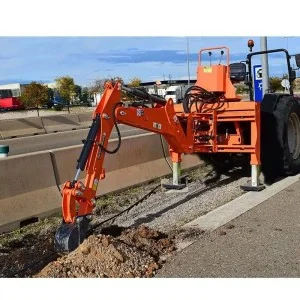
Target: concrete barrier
139 160
188 160
86 119
29 182
28 189
21 127
61 123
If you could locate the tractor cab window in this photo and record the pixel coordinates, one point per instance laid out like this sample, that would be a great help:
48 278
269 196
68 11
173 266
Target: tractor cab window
237 72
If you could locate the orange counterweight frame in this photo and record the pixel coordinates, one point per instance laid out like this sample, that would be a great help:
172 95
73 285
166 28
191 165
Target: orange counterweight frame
180 130
234 112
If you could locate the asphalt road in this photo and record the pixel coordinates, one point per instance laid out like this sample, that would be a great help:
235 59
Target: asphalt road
263 242
58 140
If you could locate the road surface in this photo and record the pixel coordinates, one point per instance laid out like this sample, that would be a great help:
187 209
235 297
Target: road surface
263 242
58 140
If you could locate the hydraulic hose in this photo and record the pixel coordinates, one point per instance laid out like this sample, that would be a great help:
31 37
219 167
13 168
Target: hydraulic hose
118 133
88 143
196 94
90 140
144 95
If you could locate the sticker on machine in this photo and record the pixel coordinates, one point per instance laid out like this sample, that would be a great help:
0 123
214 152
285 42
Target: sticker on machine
207 69
95 184
156 125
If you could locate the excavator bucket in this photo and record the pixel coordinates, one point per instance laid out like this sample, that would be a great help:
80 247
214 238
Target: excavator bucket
70 235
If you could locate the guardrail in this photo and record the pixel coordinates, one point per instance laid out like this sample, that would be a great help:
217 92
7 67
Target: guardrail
31 183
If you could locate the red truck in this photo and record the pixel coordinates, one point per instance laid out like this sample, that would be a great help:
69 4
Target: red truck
8 102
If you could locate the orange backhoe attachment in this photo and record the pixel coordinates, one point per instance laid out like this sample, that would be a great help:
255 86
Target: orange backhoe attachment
211 119
79 198
161 119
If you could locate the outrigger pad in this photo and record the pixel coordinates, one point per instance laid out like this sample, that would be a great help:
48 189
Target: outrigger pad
251 188
70 235
169 186
174 186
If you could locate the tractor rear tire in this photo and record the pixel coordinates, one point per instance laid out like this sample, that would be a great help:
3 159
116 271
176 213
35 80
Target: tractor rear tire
280 140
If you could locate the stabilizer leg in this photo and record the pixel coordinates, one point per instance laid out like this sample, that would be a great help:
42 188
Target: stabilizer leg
255 182
255 157
177 180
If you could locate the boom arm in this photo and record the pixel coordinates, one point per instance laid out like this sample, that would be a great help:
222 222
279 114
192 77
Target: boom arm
161 119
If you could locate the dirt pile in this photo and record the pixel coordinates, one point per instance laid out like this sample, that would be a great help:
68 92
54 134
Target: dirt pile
138 252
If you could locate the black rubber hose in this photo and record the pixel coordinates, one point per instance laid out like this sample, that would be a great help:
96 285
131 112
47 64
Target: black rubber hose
118 133
200 95
144 95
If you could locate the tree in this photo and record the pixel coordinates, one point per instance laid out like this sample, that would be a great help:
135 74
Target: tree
297 83
50 97
50 93
66 87
275 83
135 82
98 86
84 95
78 90
241 88
35 95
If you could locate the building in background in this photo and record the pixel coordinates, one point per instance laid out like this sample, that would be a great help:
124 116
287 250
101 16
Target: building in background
160 87
51 85
16 88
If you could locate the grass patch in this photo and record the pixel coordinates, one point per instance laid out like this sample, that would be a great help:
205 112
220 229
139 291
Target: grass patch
45 226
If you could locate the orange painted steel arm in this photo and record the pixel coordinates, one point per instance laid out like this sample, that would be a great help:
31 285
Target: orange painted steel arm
82 194
160 119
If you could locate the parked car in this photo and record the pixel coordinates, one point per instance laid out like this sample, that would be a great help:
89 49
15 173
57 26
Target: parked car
57 102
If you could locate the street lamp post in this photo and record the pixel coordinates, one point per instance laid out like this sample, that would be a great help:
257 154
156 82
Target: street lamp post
188 59
264 64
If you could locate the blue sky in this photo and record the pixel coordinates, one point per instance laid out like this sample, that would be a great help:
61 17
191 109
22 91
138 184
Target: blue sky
24 59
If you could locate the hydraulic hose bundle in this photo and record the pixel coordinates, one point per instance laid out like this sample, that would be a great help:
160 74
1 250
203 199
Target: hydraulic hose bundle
198 96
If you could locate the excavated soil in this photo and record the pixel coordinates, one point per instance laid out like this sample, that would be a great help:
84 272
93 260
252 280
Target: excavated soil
138 252
112 252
